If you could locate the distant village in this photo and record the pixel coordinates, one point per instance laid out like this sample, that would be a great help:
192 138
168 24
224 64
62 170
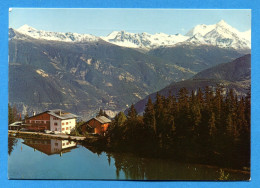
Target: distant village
60 122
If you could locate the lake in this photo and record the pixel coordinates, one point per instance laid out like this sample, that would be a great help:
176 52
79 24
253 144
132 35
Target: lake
63 159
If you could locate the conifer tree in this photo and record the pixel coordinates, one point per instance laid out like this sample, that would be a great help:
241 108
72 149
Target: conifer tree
242 124
218 107
10 114
212 125
100 113
132 114
158 108
183 99
119 120
200 97
248 108
183 122
208 98
149 115
196 114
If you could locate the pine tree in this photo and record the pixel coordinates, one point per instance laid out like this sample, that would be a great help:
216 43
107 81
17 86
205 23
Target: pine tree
196 114
183 121
132 114
121 118
16 114
183 99
158 108
248 109
100 113
149 115
241 117
10 114
212 125
200 97
231 127
208 98
218 104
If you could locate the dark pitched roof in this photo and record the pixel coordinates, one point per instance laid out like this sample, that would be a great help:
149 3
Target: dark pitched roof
102 119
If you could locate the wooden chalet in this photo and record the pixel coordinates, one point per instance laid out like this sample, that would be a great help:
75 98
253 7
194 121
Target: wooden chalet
97 125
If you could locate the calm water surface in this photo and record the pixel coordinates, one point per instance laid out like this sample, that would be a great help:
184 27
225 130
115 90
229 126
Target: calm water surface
61 159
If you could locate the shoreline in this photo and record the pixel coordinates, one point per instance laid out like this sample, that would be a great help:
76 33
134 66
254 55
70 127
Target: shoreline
45 135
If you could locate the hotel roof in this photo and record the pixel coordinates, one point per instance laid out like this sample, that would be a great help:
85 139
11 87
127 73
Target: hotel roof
61 114
58 113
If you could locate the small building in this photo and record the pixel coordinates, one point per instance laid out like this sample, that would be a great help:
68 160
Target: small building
15 126
53 120
97 125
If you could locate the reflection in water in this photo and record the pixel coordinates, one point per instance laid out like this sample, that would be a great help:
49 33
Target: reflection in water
92 163
11 144
138 168
50 147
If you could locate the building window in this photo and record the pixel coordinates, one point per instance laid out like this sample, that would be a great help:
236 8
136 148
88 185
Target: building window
67 123
63 129
67 143
62 123
56 144
67 128
63 144
55 123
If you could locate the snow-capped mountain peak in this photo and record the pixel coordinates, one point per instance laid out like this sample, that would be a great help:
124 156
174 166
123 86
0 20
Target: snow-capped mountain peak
26 28
201 29
220 34
143 40
222 23
56 36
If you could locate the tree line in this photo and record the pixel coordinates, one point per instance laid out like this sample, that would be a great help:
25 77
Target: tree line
13 114
207 124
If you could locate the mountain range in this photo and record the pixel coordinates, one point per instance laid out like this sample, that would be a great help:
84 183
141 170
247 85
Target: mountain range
234 75
220 34
82 73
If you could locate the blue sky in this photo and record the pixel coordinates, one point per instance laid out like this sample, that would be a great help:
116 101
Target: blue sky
101 22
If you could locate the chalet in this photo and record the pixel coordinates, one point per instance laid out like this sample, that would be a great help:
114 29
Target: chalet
53 120
97 125
15 126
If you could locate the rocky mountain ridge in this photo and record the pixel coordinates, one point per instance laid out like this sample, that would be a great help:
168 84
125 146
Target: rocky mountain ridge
220 34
